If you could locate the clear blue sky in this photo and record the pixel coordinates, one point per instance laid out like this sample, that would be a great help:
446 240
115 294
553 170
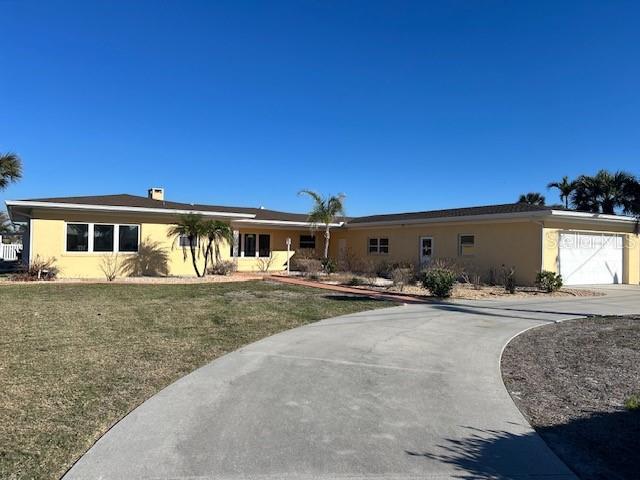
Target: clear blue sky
401 105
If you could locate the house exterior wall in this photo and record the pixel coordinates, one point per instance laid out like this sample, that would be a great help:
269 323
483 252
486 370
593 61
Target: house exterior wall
631 245
516 243
158 253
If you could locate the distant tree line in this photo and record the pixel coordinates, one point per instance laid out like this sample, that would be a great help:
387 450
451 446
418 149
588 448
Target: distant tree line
605 192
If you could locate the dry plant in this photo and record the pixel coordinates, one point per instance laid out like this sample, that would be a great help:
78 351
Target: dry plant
110 266
265 263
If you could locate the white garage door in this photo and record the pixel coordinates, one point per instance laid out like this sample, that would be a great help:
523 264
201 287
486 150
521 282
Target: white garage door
590 258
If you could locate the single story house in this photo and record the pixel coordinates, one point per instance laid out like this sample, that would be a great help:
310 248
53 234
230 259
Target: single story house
79 232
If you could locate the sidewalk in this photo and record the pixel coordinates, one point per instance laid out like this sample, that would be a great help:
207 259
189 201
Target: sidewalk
390 296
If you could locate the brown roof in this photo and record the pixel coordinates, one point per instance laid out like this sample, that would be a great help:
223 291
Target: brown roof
451 212
125 200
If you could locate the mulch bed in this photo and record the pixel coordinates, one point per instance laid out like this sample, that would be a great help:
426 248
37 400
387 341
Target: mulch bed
571 380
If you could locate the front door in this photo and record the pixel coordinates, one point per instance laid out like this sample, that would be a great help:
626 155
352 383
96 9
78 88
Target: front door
426 250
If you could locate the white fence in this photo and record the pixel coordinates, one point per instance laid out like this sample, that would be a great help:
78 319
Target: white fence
9 251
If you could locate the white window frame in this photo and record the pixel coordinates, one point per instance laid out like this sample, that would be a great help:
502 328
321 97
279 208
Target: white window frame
91 226
460 254
378 252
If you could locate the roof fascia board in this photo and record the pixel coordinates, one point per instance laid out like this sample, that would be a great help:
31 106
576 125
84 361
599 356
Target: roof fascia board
117 208
592 217
459 219
281 223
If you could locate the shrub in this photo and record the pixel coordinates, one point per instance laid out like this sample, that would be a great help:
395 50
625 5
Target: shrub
311 266
549 281
509 279
328 265
349 261
110 266
632 403
223 267
356 282
439 281
385 269
402 276
38 269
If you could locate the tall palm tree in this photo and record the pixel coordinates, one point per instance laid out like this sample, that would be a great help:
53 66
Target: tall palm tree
191 227
532 198
565 187
10 169
215 231
605 192
324 212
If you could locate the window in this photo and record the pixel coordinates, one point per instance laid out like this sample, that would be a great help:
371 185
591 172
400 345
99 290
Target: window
378 246
249 245
97 237
128 238
466 244
77 237
308 241
183 241
103 238
264 245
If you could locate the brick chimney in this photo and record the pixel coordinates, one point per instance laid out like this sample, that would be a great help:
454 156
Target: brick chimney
156 193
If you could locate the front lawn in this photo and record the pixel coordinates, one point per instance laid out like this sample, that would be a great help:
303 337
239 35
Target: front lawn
76 358
576 382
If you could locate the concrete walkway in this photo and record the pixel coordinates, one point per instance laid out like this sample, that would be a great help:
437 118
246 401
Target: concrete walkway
410 392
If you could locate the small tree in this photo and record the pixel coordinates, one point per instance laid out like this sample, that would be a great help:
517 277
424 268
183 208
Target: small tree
10 169
324 212
215 231
189 226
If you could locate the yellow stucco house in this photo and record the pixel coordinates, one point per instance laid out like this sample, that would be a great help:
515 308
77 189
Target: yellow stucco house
79 232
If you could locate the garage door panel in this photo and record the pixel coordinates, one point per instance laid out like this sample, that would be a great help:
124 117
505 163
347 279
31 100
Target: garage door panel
590 258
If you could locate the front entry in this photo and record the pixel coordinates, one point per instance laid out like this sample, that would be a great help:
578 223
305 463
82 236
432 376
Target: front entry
426 250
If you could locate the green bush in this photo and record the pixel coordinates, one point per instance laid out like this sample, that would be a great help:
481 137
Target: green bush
632 403
356 282
439 281
329 265
549 281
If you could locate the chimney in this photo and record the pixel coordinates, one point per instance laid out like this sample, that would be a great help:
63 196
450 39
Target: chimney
156 193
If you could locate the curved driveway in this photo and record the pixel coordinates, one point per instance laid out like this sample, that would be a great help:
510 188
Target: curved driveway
410 392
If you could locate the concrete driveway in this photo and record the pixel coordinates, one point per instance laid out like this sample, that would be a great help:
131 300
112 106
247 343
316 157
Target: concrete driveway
410 392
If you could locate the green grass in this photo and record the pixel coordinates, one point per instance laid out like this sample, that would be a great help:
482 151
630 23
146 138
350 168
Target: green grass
74 359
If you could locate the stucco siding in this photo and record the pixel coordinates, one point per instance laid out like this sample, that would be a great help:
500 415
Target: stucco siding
516 244
158 253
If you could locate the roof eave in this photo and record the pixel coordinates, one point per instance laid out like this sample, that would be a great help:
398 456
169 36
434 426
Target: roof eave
460 218
118 208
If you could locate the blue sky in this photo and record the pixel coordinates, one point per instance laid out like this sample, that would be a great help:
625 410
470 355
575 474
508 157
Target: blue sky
401 105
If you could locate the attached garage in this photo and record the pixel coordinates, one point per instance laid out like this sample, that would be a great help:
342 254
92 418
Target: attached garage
591 258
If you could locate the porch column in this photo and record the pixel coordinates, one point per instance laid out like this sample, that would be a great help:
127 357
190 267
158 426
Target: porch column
236 244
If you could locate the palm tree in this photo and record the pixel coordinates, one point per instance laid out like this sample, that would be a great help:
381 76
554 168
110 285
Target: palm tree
565 187
215 231
532 198
10 169
191 227
605 192
324 213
